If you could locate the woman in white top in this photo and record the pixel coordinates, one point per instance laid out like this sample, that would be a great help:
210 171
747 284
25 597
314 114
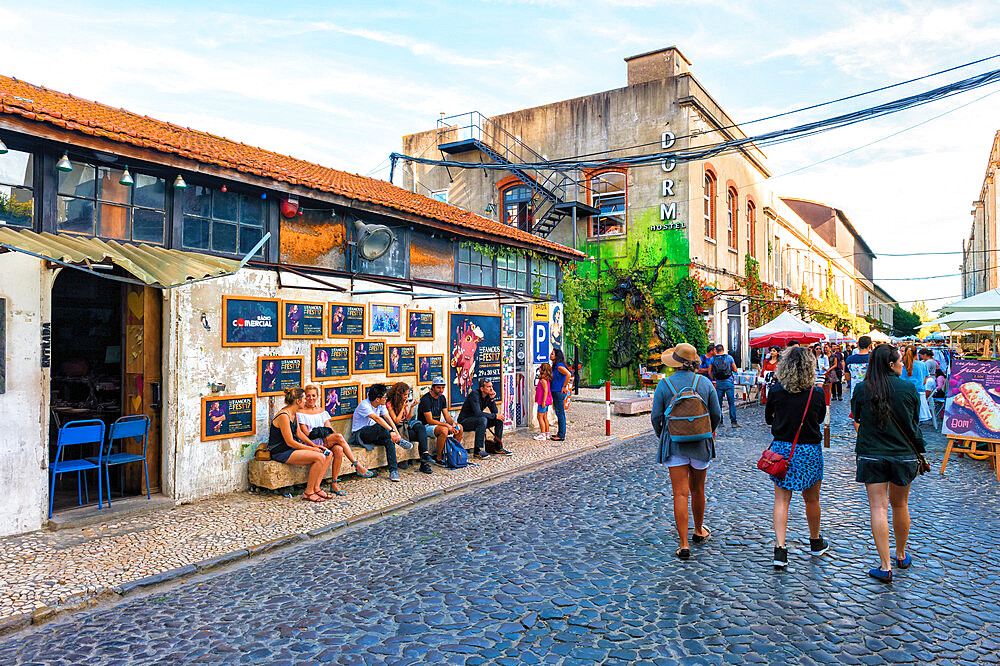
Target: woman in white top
822 363
314 416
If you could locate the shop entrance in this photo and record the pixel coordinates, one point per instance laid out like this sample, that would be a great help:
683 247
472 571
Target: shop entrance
105 363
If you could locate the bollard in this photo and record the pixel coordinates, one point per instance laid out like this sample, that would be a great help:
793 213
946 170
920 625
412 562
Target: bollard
826 421
607 405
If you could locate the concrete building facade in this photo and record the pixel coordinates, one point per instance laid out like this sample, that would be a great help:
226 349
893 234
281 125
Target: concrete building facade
980 270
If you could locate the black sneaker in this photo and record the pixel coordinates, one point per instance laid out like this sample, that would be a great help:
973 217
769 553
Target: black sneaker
780 557
440 463
481 455
818 546
425 467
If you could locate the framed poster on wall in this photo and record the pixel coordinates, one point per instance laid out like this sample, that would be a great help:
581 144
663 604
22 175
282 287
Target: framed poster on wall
369 356
250 322
347 320
303 319
340 400
277 373
228 416
384 319
402 360
419 325
429 366
331 361
474 341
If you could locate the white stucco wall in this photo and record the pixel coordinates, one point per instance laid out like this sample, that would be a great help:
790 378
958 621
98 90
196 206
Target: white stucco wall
24 405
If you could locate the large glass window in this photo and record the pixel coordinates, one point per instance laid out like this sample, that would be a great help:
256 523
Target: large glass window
225 222
474 267
92 201
710 194
608 196
512 273
16 182
543 274
518 209
732 217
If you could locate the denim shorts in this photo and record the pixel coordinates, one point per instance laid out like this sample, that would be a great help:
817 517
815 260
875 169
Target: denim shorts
542 410
897 470
430 431
680 461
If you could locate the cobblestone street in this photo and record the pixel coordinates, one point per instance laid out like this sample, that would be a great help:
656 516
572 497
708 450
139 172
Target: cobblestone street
575 564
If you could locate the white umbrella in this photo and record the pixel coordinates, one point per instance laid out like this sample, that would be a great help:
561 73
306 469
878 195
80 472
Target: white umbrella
986 300
964 320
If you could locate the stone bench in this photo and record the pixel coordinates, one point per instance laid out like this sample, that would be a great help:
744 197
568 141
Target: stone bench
631 406
272 475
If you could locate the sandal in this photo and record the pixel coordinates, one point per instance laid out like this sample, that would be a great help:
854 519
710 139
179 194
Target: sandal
312 497
684 553
322 493
337 491
698 538
369 474
557 439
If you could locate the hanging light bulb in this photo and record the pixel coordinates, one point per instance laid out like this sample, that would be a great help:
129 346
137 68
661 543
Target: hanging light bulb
126 178
3 147
179 183
64 164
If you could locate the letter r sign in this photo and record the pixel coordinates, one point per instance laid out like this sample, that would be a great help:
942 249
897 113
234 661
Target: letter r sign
541 336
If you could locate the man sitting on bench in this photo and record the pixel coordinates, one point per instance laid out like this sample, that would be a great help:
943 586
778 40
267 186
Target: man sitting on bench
433 413
371 428
479 414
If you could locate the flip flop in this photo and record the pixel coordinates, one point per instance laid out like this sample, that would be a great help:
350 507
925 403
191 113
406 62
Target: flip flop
338 493
684 553
696 538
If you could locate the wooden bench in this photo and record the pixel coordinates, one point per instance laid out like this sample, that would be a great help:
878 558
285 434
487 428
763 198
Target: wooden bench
263 472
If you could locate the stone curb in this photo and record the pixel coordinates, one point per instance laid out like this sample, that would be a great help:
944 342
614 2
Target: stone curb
81 600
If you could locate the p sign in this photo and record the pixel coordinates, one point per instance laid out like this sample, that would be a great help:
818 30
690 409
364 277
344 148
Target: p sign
541 329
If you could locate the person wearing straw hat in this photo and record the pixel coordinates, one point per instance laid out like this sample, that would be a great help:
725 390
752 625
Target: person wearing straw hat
686 455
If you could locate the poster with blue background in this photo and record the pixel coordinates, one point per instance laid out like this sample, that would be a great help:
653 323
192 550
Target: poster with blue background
474 341
250 322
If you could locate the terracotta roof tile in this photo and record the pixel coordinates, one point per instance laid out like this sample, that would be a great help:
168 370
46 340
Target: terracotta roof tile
69 112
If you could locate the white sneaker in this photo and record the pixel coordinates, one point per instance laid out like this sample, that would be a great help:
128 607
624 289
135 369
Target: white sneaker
405 445
541 437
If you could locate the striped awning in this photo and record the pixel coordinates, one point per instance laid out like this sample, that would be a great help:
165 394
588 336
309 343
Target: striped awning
151 265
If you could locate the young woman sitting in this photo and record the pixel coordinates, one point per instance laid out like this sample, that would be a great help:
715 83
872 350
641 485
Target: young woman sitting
316 425
285 448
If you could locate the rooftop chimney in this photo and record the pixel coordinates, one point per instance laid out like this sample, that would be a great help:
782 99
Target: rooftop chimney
656 65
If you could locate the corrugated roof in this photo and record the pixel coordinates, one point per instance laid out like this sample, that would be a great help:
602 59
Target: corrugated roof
95 119
156 266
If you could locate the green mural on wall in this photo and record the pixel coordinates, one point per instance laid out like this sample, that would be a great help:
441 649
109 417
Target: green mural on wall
642 298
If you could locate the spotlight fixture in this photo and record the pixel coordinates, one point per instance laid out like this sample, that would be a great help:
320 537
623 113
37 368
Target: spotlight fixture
179 183
126 178
64 164
372 240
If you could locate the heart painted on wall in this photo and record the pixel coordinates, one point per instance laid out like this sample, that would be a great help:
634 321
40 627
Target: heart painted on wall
135 305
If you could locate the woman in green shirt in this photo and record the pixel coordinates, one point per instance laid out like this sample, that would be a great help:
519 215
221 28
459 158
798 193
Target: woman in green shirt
887 411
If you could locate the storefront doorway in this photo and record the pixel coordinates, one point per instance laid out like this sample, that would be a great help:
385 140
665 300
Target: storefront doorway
105 363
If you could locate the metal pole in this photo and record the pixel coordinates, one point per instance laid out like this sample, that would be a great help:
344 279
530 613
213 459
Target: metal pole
576 370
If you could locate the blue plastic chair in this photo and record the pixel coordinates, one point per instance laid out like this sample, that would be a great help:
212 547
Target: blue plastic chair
135 425
90 431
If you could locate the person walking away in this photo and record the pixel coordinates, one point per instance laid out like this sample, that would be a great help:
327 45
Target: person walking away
543 398
856 365
685 414
836 374
721 371
887 411
916 373
560 378
795 411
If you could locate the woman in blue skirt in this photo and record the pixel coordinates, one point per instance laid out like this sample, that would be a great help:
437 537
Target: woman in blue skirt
795 411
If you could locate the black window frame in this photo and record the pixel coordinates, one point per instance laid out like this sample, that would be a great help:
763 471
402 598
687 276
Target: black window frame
32 188
267 220
480 265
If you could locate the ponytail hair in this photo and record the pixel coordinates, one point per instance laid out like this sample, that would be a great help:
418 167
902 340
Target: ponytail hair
293 395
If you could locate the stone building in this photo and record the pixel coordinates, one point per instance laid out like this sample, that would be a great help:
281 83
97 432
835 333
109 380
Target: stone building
979 251
149 269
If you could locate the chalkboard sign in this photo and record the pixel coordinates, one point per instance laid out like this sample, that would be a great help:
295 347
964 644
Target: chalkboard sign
277 373
229 416
250 322
303 319
429 366
341 400
402 360
419 325
369 356
330 362
347 320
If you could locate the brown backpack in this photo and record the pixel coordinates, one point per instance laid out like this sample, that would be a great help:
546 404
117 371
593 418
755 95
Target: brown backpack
687 414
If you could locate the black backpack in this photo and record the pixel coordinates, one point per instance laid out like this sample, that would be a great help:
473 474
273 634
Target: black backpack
721 371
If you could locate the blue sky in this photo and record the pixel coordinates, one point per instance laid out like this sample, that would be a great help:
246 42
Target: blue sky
339 83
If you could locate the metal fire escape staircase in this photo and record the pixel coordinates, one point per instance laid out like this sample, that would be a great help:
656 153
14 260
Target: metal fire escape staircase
554 190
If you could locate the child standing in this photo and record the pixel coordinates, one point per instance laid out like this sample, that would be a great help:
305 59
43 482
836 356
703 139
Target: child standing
543 398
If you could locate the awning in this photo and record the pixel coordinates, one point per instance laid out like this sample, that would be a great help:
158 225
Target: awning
151 265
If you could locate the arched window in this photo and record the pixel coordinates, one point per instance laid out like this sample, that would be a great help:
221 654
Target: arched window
732 217
751 229
518 207
607 192
710 193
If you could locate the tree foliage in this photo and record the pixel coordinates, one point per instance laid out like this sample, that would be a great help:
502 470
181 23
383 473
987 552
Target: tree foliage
904 322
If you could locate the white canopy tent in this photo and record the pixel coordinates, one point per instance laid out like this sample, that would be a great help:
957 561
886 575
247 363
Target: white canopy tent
968 319
983 301
878 336
830 333
786 321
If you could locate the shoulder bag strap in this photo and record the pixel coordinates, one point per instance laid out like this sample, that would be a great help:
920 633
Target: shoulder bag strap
909 442
804 414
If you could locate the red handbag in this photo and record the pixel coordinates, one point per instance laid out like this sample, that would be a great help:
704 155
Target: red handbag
772 462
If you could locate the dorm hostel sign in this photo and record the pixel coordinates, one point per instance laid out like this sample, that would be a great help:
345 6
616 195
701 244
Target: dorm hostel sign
668 207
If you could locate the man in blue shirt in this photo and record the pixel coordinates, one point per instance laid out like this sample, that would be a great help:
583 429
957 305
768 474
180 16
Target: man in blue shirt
721 369
706 359
370 427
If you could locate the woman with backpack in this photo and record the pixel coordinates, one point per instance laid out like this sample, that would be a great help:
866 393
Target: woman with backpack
686 413
795 411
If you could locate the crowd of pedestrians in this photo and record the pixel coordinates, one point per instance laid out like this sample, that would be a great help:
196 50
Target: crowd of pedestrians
888 390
